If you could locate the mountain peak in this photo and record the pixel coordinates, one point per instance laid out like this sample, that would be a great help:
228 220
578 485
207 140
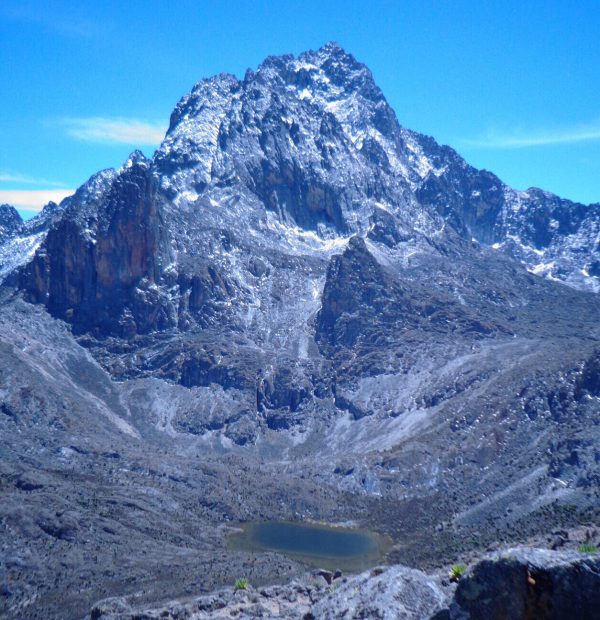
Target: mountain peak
329 52
332 47
337 69
9 216
10 221
7 210
329 69
310 139
333 51
135 158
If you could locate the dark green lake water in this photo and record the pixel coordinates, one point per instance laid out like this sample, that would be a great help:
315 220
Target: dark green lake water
318 545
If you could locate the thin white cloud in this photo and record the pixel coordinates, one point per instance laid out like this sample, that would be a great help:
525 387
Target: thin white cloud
62 22
34 199
102 130
7 176
520 139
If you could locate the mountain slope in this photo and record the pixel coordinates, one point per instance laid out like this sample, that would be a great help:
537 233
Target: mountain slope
296 308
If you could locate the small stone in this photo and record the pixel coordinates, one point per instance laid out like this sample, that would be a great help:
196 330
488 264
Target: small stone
327 575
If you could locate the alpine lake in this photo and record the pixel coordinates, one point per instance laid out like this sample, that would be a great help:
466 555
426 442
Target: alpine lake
318 545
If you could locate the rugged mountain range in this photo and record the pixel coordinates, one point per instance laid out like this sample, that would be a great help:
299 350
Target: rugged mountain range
296 307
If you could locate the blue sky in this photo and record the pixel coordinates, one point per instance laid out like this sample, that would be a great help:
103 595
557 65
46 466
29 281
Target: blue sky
513 85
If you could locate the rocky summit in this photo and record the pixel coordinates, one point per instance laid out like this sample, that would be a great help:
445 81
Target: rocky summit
296 309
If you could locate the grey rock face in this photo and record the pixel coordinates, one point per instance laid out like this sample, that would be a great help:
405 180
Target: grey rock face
530 583
99 272
551 236
10 222
396 593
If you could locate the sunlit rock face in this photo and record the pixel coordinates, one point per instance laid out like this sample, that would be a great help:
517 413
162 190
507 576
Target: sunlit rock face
297 157
290 239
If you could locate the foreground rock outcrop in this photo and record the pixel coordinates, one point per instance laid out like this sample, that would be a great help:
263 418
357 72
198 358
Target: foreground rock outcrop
517 584
532 584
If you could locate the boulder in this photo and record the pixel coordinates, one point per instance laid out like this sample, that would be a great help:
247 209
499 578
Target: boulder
530 584
391 594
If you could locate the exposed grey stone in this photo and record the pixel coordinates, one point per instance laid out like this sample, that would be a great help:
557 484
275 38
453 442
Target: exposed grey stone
530 583
393 594
518 584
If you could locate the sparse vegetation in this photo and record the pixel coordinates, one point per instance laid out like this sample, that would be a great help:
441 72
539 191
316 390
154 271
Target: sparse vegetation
456 572
586 548
241 584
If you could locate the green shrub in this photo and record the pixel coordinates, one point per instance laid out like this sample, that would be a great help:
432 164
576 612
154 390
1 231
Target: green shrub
241 584
587 548
456 572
